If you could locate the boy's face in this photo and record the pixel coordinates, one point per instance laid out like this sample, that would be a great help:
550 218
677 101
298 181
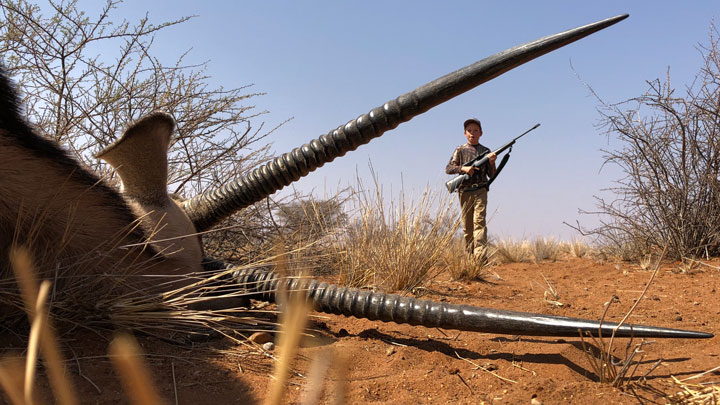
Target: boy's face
473 133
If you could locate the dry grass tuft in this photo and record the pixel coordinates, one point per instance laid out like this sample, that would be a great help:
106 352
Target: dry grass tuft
395 246
619 371
695 394
545 249
463 266
550 293
512 251
577 248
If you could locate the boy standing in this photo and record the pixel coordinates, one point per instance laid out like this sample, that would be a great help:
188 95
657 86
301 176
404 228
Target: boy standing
473 192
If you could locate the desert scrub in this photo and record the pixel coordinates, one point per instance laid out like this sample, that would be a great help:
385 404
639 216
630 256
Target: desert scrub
463 266
512 251
545 249
397 245
576 248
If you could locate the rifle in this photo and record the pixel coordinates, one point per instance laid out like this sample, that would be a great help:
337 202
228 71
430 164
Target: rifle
480 160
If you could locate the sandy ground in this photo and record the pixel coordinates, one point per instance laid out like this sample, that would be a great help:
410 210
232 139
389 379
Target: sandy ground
375 362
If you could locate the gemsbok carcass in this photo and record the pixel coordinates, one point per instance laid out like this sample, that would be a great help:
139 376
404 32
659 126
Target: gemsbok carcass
70 218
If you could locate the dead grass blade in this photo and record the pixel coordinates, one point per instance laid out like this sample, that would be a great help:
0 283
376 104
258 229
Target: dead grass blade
44 336
11 381
317 375
341 381
479 367
128 362
293 319
701 374
38 324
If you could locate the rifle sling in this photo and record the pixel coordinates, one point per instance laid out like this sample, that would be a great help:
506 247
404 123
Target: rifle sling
497 172
499 168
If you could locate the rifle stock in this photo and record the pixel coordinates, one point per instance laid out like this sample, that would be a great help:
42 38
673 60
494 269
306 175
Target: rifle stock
453 184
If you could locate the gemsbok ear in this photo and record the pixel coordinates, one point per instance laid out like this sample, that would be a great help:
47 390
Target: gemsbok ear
139 157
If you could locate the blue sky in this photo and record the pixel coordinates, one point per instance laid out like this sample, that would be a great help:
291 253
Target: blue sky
323 63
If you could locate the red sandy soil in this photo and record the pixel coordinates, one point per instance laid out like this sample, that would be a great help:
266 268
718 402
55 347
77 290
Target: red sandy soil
388 363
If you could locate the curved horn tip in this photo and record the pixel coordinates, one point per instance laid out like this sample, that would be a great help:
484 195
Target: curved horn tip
647 331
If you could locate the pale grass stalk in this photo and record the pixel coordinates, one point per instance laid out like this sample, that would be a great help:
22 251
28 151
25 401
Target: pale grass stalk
134 374
340 385
701 374
36 329
607 369
292 325
317 375
637 301
25 274
11 381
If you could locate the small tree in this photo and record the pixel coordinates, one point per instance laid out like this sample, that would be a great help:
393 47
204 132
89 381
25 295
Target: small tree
312 218
669 155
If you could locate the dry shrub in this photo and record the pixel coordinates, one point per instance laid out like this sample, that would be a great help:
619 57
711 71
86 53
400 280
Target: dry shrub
305 227
577 248
619 372
623 252
545 249
613 370
463 266
666 146
694 394
397 245
512 251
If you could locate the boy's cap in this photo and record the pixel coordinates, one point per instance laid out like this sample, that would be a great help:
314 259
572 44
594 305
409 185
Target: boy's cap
472 121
